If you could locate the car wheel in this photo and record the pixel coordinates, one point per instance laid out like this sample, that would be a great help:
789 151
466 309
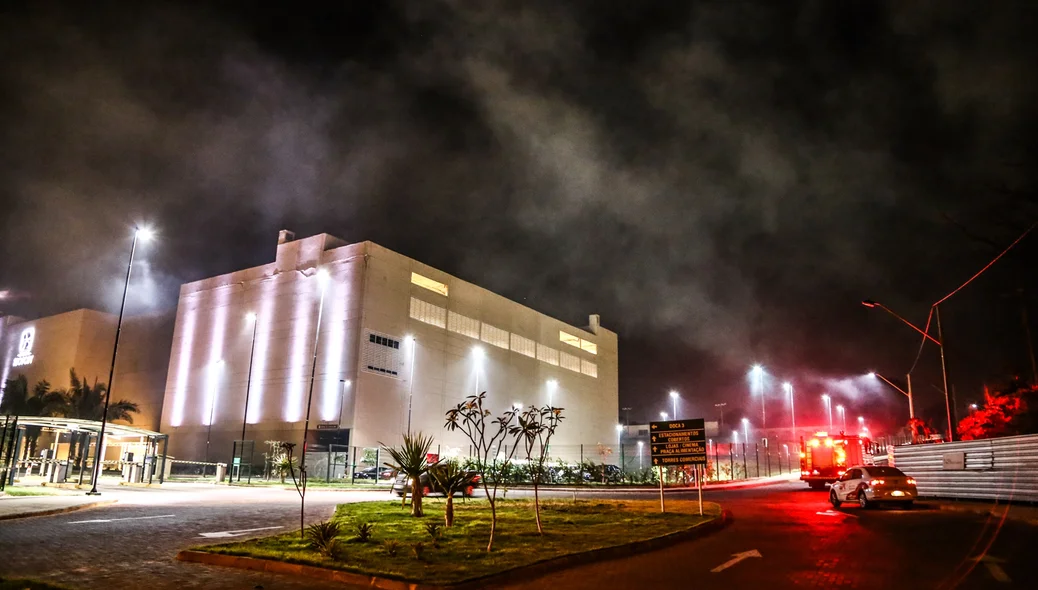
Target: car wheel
863 500
833 499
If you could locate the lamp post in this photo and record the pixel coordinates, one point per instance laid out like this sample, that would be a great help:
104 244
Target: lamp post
861 423
640 445
619 434
908 394
216 369
792 411
843 417
720 408
829 409
735 437
139 233
627 415
674 403
939 341
746 429
663 416
758 375
248 379
322 281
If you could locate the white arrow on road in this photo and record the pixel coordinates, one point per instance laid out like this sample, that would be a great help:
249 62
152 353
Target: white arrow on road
994 568
238 533
117 519
736 558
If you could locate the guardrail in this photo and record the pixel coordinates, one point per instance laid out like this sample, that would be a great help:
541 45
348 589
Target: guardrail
990 469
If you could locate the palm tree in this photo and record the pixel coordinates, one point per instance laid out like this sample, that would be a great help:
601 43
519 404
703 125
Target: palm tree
87 402
410 459
41 401
452 478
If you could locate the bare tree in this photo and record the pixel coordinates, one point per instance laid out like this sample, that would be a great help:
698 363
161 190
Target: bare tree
534 428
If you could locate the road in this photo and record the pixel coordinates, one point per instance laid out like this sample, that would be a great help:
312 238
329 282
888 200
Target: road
802 544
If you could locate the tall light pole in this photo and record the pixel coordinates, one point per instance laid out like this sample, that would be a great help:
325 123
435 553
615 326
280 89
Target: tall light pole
828 408
792 411
735 437
410 380
640 445
627 415
674 403
843 417
720 408
861 423
663 416
216 368
248 380
619 434
908 394
322 281
758 376
746 429
139 233
939 341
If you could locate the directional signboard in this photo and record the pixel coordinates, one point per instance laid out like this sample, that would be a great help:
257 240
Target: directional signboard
678 442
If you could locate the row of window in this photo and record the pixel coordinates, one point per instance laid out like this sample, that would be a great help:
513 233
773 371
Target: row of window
435 315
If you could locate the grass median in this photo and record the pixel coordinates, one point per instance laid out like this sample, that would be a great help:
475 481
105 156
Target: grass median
403 548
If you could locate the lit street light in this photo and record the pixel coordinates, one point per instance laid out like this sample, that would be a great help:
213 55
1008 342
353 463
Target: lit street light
908 394
640 445
735 437
251 317
828 408
746 429
143 234
674 403
619 434
663 416
939 341
843 418
758 375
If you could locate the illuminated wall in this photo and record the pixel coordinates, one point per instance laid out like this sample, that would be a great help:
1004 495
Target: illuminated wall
373 299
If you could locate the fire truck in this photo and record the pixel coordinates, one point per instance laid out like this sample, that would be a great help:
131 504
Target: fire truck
825 457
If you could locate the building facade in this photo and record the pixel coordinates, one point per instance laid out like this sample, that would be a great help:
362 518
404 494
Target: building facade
392 344
46 349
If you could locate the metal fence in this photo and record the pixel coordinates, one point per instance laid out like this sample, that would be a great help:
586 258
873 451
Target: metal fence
991 469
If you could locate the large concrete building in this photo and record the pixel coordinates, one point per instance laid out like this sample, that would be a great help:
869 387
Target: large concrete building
45 349
398 343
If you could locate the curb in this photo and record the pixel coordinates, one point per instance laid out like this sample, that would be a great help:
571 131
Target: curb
532 570
53 511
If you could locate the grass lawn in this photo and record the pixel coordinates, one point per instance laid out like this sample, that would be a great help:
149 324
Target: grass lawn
6 584
570 527
13 491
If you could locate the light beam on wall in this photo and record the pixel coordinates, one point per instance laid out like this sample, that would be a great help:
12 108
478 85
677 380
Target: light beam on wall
187 338
334 339
307 296
217 331
265 317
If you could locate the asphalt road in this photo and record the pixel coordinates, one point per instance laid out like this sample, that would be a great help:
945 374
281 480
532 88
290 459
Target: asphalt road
802 544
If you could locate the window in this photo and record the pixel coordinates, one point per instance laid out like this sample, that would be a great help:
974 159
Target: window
569 361
589 347
569 339
382 355
427 283
423 311
524 346
588 368
465 326
547 354
495 336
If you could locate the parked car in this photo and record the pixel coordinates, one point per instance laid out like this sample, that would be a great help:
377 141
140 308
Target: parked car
868 485
370 473
402 485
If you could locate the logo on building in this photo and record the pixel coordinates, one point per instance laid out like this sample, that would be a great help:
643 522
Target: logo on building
25 342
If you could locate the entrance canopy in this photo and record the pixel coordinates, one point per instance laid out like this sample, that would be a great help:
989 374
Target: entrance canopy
89 426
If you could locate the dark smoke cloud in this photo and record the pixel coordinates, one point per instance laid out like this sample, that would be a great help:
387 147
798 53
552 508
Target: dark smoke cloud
721 180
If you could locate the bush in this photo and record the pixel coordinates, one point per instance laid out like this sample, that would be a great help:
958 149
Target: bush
391 547
418 550
365 531
322 537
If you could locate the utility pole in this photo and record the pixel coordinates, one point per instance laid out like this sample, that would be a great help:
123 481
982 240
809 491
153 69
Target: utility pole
627 415
720 408
948 402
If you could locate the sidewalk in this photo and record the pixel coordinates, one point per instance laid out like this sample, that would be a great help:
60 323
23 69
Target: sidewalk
1017 512
25 506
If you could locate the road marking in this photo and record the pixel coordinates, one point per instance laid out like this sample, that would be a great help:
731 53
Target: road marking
834 513
118 519
994 568
736 558
238 533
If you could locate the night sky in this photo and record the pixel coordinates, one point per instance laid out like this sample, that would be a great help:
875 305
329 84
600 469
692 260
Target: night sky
722 181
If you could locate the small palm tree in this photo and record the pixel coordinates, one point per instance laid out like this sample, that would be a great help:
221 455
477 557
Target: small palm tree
40 401
452 479
410 459
87 402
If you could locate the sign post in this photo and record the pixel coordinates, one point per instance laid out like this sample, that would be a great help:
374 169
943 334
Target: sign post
679 443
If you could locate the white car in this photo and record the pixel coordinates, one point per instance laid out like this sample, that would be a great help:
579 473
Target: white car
868 485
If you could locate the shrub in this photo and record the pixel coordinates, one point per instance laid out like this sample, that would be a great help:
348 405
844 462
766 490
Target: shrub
322 537
391 547
433 528
364 531
418 550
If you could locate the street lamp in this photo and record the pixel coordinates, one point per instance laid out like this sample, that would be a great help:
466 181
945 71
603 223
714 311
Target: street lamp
640 444
735 437
143 234
322 281
828 408
746 429
939 341
843 417
251 316
663 416
908 394
861 422
758 375
674 403
619 434
792 411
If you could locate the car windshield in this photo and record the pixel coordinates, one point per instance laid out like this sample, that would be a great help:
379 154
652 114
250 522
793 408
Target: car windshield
885 471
